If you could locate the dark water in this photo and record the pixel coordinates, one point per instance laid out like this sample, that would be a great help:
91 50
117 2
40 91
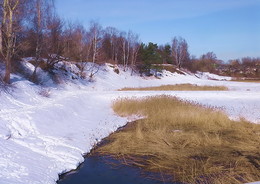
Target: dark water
104 170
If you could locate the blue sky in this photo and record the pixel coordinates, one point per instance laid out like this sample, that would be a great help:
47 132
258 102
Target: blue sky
230 28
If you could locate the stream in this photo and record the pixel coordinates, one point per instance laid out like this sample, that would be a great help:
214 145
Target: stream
105 170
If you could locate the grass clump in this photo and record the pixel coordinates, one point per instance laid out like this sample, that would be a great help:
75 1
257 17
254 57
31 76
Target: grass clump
179 87
192 143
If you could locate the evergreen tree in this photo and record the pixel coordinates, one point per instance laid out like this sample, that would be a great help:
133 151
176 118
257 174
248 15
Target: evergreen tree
166 54
150 57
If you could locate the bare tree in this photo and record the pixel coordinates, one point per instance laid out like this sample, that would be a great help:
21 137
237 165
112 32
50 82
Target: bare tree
68 39
81 47
9 19
1 29
208 62
95 36
114 39
75 40
110 44
128 47
179 50
54 41
40 11
134 45
123 48
209 56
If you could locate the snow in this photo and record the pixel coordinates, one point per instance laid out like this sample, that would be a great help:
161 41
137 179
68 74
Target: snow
41 137
210 76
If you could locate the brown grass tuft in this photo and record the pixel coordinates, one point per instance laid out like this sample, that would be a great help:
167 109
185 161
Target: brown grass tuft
178 87
192 143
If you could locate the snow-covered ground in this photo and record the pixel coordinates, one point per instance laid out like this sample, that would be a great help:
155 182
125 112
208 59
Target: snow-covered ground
41 137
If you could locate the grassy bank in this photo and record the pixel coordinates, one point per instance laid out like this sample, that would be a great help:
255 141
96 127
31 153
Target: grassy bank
192 143
178 87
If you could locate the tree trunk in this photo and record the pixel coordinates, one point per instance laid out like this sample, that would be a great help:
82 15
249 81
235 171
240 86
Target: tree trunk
9 47
124 55
94 48
1 40
38 41
128 53
7 69
10 40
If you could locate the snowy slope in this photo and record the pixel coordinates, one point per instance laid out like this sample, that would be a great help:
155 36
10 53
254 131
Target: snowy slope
41 137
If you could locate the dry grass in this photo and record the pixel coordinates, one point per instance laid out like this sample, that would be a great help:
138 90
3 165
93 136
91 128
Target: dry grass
192 143
178 87
246 80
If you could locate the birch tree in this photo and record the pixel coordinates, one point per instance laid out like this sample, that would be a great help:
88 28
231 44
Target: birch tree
95 35
10 11
134 45
179 50
123 46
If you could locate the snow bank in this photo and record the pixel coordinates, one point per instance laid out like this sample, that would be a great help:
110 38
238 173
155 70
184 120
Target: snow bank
210 76
41 136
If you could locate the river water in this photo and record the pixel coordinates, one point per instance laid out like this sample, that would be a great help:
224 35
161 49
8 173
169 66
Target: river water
105 170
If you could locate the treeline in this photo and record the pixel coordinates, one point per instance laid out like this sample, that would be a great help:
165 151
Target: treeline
32 28
246 67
